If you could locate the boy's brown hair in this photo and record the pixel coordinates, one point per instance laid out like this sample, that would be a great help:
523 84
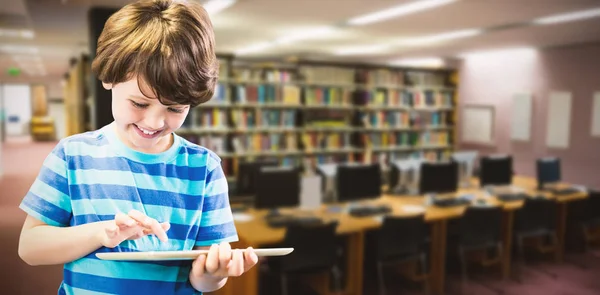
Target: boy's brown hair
167 44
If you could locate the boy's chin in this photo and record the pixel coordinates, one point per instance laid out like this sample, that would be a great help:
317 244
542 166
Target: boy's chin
151 145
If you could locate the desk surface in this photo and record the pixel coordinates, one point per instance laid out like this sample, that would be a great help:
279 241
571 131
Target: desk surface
256 232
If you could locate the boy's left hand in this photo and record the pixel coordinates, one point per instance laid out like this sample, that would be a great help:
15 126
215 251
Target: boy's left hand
222 262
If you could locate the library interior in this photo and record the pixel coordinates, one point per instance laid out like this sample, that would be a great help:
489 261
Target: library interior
367 135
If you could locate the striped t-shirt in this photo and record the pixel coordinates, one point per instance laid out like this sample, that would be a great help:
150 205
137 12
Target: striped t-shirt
92 176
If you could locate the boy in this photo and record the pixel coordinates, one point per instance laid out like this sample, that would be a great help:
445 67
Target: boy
134 185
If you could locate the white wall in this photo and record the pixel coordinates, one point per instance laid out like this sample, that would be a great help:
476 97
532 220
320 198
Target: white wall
17 103
56 110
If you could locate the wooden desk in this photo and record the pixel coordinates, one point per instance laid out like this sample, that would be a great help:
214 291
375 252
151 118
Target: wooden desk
257 233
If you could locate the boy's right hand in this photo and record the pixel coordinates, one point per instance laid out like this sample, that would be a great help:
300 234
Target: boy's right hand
132 226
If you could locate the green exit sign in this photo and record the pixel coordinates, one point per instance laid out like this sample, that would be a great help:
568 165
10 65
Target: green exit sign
13 71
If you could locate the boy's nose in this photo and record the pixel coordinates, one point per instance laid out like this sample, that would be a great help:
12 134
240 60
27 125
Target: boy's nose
155 123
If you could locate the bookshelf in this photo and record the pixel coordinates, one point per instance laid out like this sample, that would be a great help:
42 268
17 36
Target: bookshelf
325 113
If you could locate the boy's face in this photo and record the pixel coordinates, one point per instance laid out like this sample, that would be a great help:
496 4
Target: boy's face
143 123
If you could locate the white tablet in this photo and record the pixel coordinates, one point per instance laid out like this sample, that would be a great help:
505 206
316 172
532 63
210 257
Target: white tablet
180 255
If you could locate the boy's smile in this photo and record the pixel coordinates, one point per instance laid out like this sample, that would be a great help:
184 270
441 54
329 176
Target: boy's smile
144 123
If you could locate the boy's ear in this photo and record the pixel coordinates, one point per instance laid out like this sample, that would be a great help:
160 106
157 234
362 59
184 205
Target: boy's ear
107 86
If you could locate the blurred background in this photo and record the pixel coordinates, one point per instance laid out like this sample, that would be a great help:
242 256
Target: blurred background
308 83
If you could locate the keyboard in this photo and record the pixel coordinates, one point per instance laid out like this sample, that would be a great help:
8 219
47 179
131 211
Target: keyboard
565 191
512 197
451 202
366 211
287 220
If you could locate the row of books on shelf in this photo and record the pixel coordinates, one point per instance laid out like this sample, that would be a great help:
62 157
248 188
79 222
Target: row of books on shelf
265 142
381 77
406 139
264 118
325 140
320 142
327 75
328 96
263 75
265 93
430 119
381 119
207 118
407 98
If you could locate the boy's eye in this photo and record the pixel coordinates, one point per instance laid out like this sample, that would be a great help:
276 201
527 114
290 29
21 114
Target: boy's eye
139 105
174 110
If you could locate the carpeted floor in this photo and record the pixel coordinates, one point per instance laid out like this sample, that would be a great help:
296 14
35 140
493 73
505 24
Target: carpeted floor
21 160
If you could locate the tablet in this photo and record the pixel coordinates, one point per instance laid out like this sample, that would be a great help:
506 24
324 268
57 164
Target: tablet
181 255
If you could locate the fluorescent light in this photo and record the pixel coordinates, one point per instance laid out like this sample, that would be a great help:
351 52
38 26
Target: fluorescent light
428 62
500 52
358 50
568 17
215 6
309 34
254 48
25 34
18 49
397 11
441 37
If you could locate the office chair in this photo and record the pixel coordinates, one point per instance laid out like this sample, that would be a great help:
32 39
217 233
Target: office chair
401 239
591 221
537 218
315 251
480 228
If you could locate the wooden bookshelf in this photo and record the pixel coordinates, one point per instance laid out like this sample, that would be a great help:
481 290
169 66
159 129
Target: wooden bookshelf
325 113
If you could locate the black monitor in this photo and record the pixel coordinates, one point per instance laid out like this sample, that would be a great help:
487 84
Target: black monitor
495 170
277 187
246 176
358 181
439 178
548 171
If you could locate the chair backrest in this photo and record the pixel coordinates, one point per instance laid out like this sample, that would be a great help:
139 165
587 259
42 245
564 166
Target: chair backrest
536 214
593 204
401 236
315 247
481 225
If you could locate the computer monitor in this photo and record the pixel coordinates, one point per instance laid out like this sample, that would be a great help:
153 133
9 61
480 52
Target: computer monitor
358 182
438 178
466 163
277 187
404 176
246 176
495 170
548 171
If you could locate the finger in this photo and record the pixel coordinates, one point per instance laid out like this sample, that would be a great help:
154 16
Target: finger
166 226
212 259
124 220
250 258
134 232
158 230
237 263
150 223
140 217
224 256
199 265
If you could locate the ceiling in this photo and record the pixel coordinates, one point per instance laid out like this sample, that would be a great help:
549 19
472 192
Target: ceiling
60 28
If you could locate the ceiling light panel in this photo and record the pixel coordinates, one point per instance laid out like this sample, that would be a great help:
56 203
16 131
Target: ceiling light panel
568 17
215 6
440 37
398 11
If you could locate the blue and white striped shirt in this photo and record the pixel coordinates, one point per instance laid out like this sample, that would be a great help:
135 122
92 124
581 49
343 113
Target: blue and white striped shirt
92 176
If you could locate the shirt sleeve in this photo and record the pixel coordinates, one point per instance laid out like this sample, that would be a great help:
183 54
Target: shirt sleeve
217 223
48 197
